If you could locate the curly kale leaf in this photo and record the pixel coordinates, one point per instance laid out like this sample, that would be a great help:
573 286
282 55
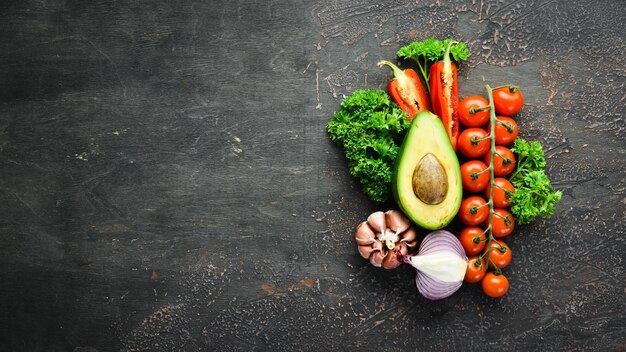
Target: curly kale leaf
370 127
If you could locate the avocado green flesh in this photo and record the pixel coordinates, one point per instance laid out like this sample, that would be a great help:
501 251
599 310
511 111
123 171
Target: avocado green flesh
427 135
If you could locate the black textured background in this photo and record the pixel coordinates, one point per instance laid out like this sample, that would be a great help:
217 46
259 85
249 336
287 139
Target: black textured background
167 184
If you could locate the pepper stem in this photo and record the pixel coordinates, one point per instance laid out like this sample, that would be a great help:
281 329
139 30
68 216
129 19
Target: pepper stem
446 55
396 70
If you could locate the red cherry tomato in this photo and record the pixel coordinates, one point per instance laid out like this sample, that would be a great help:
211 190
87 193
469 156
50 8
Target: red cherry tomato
471 113
502 223
495 285
473 211
499 254
507 100
501 193
473 142
475 270
503 163
506 130
472 239
474 176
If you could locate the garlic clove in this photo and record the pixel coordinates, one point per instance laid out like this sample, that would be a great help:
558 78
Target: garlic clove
378 221
365 251
364 234
396 221
391 261
409 237
377 259
378 254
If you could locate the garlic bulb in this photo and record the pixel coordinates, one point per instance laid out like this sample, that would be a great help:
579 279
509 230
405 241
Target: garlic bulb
385 237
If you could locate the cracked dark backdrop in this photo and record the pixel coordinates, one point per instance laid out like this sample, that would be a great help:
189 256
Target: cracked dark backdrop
167 184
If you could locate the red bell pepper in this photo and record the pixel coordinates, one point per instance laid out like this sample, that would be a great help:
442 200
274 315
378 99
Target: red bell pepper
444 94
406 90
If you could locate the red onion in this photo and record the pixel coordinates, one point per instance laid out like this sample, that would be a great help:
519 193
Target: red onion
440 265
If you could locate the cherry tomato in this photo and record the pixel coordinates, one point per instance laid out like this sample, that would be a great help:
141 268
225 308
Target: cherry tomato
472 239
495 285
499 254
506 130
473 211
475 176
475 270
508 100
503 163
473 142
502 223
467 111
501 194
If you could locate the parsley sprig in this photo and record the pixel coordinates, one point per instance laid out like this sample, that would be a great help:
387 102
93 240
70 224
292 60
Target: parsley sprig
534 195
431 50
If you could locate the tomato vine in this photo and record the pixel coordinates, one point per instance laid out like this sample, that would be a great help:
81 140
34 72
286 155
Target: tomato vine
492 151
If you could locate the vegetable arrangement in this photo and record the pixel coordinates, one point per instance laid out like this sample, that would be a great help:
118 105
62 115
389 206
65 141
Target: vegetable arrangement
411 147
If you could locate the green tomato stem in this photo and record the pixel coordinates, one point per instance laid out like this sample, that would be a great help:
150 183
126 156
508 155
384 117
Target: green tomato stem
509 127
492 151
474 210
474 141
474 175
500 216
511 88
475 110
502 188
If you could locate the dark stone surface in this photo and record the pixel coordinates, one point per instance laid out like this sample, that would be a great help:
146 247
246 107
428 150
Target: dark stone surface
167 183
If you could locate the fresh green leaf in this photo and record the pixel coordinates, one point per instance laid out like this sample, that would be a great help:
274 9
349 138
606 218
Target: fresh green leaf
531 153
426 52
534 195
431 48
370 127
458 51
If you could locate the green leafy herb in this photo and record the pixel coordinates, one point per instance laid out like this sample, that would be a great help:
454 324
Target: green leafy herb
431 50
370 127
534 195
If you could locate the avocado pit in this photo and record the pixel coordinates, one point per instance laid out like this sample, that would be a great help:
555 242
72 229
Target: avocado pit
430 182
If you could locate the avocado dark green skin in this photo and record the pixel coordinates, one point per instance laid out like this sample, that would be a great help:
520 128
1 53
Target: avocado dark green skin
434 139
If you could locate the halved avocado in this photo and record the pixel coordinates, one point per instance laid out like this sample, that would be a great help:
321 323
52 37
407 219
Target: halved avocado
427 178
